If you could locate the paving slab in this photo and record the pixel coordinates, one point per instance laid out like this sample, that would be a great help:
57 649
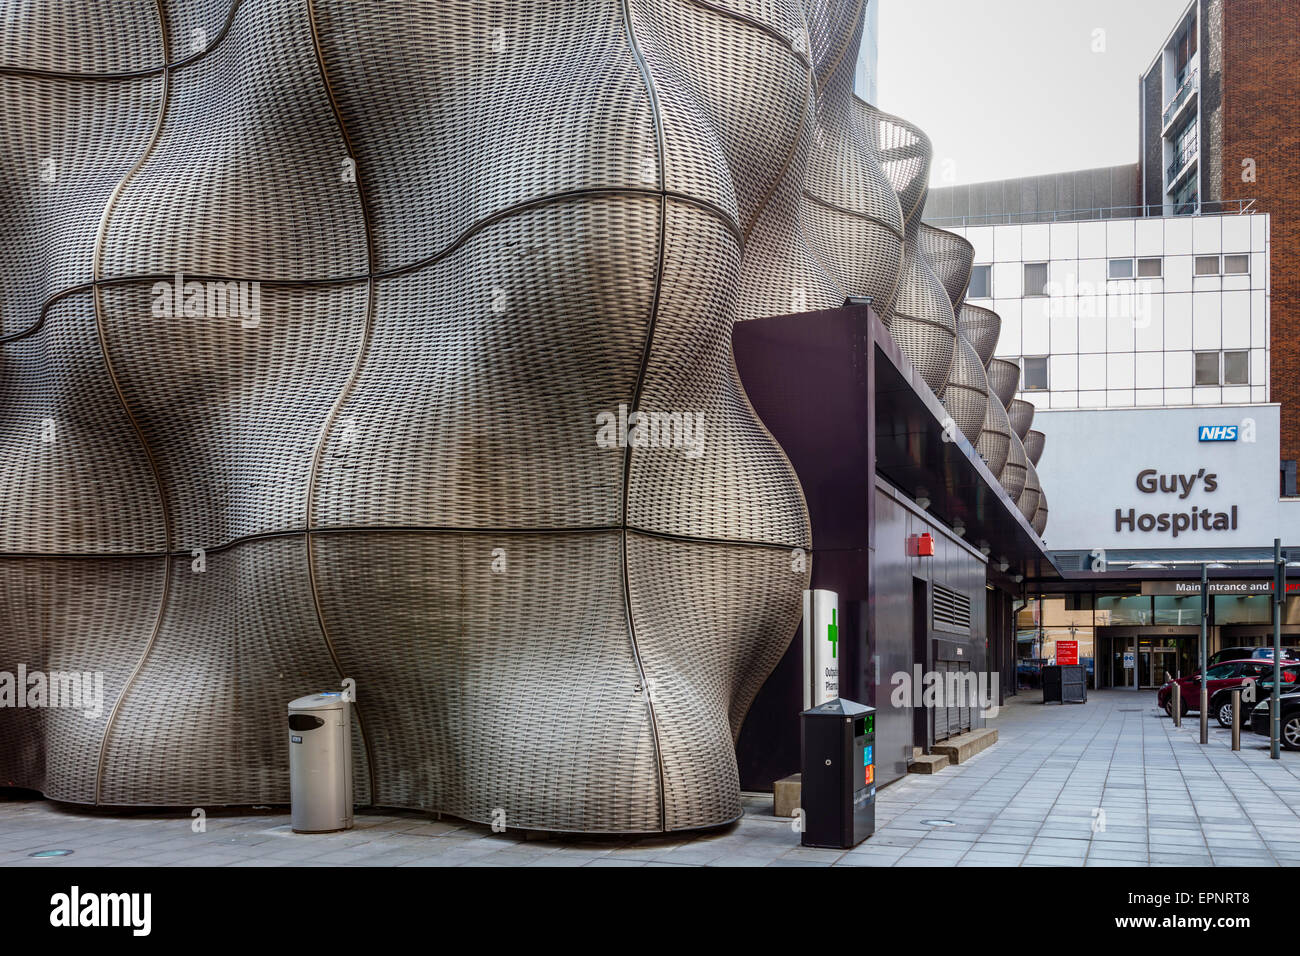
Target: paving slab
1108 783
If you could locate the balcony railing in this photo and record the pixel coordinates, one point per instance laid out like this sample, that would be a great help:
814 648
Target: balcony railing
1185 153
1185 90
1230 207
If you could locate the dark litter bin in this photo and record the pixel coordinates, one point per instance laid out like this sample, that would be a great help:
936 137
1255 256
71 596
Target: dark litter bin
839 774
1065 684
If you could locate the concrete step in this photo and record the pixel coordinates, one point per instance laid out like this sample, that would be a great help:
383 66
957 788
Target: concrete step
964 746
928 763
786 793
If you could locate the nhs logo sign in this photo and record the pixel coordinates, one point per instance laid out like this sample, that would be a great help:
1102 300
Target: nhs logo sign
1217 433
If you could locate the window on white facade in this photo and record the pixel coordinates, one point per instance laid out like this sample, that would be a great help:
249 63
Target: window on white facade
1151 268
1207 368
981 283
1033 374
1120 269
1035 279
1236 368
1236 265
1207 265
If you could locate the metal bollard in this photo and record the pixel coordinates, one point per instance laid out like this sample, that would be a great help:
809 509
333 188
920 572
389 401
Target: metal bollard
1176 706
1205 711
1236 718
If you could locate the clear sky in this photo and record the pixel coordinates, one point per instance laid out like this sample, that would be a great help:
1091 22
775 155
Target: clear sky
1008 88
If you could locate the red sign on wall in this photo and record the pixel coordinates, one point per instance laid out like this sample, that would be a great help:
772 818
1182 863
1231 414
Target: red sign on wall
920 545
1067 652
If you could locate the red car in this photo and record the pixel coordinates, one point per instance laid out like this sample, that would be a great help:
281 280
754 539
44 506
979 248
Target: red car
1221 676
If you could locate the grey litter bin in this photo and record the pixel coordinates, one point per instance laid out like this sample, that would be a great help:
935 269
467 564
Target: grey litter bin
320 763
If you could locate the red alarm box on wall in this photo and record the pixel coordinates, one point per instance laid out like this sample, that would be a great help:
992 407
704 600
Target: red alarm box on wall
920 545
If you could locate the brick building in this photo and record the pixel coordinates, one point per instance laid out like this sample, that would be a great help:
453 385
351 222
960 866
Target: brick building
1219 137
1219 124
1261 160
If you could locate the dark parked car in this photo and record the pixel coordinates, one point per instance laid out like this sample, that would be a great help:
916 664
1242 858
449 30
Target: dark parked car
1288 653
1231 654
1222 677
1221 700
1244 653
1290 720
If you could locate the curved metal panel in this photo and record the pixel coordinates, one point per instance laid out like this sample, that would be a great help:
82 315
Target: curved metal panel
966 394
1040 515
1021 414
951 256
1004 380
994 444
470 429
982 327
1015 473
921 319
1034 441
1027 501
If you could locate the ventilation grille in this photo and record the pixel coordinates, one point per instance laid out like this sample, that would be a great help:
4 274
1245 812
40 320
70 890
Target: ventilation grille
951 610
1077 561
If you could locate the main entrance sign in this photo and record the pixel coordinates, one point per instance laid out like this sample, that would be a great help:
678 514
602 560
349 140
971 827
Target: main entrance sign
1245 587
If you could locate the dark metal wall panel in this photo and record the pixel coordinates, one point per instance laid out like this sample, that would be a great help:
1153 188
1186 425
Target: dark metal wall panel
891 598
893 572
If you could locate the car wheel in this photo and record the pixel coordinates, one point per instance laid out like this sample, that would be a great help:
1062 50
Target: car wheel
1291 732
1224 713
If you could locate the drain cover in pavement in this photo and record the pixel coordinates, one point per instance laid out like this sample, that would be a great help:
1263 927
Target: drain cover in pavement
1131 710
45 853
938 823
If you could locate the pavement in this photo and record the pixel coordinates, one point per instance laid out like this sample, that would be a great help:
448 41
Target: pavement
1108 783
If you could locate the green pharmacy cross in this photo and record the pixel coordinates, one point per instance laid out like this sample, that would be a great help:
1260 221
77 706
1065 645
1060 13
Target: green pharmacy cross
833 634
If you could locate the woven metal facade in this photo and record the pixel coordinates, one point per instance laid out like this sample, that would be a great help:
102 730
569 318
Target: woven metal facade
469 232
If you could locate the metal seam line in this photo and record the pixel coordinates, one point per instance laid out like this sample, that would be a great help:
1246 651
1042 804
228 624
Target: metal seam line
96 265
756 24
134 74
415 529
454 246
652 94
761 206
865 217
848 42
362 350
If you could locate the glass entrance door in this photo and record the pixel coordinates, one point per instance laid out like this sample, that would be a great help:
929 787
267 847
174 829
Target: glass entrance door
1154 663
